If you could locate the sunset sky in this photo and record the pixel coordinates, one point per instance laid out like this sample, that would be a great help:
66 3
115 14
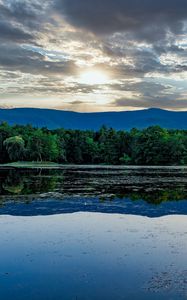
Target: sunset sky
93 55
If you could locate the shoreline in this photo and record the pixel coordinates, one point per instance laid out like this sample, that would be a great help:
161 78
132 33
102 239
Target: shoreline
51 165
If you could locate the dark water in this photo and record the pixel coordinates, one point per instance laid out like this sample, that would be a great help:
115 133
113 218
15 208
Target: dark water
93 233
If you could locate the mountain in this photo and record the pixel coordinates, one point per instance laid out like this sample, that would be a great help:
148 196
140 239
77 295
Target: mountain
73 120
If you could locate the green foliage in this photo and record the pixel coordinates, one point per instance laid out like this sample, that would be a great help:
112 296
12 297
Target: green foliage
42 146
125 159
151 146
5 132
15 147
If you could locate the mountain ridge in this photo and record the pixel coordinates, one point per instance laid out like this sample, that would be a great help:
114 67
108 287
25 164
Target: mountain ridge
52 118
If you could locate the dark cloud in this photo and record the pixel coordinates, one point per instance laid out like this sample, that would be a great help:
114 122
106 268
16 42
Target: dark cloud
77 102
138 63
148 19
14 33
145 88
21 20
165 102
15 58
24 12
173 49
149 94
11 27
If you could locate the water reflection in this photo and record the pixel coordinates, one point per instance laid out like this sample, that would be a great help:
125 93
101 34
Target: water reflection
145 191
27 182
79 233
93 256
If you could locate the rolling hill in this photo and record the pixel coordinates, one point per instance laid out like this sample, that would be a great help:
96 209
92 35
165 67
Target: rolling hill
73 120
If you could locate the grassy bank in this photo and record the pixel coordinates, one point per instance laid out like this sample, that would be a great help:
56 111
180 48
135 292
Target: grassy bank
31 165
52 165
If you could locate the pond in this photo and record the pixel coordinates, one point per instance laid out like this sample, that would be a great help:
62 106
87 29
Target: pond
93 232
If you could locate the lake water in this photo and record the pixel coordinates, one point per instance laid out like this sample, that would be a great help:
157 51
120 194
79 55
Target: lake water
93 233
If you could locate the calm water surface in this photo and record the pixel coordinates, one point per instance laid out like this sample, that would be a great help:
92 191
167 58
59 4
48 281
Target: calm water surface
93 233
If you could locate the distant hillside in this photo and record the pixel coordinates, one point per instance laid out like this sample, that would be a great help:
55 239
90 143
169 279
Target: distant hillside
73 120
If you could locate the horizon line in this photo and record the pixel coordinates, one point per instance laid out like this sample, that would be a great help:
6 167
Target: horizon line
94 112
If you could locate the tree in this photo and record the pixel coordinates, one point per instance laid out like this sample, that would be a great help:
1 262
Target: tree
109 145
34 147
5 132
90 150
15 147
42 146
149 146
125 159
177 151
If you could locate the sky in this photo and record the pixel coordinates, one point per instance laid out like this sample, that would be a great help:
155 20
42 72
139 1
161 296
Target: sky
93 55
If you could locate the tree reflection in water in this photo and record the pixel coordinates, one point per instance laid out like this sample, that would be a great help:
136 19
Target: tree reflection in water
154 187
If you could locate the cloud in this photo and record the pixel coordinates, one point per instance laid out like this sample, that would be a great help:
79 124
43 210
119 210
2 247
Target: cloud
150 94
21 20
164 102
143 87
24 11
15 58
144 18
138 44
14 33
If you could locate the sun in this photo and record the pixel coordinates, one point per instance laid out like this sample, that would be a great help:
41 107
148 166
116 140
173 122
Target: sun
93 77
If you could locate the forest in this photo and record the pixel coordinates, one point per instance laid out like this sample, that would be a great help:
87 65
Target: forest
151 146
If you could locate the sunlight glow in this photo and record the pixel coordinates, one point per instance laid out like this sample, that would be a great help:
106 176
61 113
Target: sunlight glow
93 77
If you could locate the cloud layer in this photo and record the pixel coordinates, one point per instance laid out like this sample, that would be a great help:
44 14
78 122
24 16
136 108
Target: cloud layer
140 45
140 17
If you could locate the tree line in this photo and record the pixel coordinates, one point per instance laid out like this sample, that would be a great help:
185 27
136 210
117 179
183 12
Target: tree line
151 146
